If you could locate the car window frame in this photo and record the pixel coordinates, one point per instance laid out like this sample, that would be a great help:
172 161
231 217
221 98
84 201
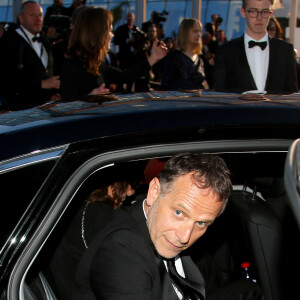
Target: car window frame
108 158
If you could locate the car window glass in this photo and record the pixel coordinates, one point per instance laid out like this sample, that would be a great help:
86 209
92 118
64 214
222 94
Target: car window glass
17 189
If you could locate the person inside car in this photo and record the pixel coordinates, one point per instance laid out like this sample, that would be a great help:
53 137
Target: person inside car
96 212
138 253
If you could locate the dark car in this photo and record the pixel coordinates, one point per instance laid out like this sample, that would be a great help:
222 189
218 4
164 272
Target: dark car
54 155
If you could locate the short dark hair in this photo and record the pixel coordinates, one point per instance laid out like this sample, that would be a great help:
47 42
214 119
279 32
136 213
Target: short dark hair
209 171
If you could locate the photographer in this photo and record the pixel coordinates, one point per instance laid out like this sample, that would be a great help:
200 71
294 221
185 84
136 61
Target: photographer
128 37
156 19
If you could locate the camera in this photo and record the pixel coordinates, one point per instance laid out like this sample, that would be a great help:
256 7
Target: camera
159 17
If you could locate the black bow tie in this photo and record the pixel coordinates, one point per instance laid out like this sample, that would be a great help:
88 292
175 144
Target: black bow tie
262 45
37 39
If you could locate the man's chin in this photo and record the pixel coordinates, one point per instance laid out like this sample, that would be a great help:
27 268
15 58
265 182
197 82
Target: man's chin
167 254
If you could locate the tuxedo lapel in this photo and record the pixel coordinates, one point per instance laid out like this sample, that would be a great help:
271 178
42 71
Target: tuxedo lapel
192 273
246 71
35 60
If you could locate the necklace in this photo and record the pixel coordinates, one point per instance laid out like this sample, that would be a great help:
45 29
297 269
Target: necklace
82 225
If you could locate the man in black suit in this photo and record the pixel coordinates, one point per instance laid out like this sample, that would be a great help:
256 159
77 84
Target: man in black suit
137 254
57 9
26 62
255 61
213 26
128 37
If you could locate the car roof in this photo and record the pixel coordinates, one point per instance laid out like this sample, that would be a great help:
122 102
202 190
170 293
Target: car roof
63 122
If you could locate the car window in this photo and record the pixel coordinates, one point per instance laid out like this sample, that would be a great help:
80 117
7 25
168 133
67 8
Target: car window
18 187
260 171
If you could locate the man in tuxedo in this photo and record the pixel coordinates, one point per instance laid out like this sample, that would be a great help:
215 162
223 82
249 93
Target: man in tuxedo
26 62
139 254
128 37
211 27
255 61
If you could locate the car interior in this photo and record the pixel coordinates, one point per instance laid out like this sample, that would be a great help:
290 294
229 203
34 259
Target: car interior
257 226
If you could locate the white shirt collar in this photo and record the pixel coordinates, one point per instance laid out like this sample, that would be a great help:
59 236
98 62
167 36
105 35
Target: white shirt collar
29 34
248 38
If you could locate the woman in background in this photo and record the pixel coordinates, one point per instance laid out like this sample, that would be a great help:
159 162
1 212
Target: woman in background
185 68
274 28
85 71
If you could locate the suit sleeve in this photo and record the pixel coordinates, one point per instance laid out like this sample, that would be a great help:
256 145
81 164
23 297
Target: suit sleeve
291 78
120 268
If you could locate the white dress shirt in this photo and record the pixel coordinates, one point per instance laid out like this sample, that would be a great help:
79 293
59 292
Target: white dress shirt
258 61
37 46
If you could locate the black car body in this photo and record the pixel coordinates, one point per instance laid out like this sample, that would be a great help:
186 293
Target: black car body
51 155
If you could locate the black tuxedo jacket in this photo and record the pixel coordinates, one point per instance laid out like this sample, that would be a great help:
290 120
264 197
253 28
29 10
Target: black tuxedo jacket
22 71
232 72
121 263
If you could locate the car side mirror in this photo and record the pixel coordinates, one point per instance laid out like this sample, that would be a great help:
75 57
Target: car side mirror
292 178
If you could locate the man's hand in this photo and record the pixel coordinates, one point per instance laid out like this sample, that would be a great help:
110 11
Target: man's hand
51 83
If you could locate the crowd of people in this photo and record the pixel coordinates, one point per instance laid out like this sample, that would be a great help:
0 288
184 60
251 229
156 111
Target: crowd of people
146 244
73 52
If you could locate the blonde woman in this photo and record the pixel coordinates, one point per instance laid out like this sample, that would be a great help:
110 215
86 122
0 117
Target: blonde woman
184 67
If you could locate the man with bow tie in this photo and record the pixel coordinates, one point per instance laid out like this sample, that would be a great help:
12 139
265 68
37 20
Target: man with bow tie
26 62
256 62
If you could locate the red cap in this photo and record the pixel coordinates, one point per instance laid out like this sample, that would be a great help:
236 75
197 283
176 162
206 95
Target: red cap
245 264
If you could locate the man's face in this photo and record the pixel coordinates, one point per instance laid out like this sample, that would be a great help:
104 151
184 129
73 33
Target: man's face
130 18
152 33
214 18
32 18
181 216
256 27
57 2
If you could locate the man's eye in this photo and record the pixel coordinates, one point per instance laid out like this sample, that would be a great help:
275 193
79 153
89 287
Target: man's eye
252 11
178 212
202 224
265 12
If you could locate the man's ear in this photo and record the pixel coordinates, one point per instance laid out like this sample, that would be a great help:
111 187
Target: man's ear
153 191
243 13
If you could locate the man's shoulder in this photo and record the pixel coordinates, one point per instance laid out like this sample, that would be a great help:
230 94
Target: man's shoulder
12 40
122 27
280 43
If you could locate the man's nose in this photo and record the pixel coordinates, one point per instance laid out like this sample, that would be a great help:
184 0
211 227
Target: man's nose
184 233
259 15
